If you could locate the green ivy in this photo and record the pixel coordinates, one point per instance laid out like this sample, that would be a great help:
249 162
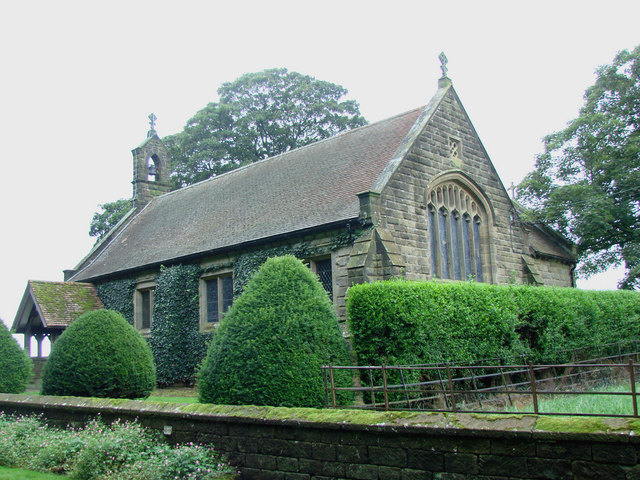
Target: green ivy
248 263
118 295
177 344
350 235
176 341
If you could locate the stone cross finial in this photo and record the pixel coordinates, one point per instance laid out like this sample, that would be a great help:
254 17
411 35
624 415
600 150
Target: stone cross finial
153 119
513 189
443 63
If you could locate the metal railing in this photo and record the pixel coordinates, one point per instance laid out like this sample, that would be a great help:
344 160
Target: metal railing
487 388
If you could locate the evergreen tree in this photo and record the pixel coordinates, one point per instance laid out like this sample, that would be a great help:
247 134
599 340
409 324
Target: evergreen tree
271 344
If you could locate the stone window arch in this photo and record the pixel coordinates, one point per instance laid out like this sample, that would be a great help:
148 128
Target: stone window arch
458 231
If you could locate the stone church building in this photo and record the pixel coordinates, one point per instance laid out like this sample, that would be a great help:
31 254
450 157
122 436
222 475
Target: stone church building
413 196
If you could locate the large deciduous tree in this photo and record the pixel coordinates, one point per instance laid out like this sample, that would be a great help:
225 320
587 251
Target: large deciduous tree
259 115
587 181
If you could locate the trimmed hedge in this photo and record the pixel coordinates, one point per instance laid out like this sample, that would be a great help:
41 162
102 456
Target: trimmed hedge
99 355
270 345
400 322
177 344
16 368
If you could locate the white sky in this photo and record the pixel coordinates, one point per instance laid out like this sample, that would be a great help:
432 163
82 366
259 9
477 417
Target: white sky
79 78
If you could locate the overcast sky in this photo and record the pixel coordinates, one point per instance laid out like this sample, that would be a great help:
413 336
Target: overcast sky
78 80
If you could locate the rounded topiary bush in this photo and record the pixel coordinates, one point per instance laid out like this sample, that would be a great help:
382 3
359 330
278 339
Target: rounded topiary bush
272 342
100 355
15 365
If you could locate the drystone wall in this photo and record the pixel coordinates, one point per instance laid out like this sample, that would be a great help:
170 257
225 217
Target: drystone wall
306 444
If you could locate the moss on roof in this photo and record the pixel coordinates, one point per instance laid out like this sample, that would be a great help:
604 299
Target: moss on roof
60 303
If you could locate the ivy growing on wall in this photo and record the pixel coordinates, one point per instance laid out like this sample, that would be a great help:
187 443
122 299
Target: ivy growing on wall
249 262
118 295
177 344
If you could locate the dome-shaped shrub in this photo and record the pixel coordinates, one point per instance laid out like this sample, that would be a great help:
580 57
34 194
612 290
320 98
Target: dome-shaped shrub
100 355
15 365
272 342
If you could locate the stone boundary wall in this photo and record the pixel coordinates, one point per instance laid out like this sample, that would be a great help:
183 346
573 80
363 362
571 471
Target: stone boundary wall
306 444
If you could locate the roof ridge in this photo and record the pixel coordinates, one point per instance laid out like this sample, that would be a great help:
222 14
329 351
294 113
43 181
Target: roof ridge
60 282
357 155
297 149
411 137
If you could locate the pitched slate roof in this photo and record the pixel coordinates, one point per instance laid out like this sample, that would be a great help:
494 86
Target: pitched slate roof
56 303
302 189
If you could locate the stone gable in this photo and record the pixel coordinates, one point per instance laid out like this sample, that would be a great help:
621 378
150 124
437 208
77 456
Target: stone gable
403 204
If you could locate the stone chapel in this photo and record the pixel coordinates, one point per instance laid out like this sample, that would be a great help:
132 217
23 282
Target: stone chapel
413 196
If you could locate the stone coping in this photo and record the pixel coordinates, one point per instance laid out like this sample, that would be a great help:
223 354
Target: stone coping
602 429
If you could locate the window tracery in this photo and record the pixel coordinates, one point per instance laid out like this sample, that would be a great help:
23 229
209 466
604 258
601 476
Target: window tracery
456 222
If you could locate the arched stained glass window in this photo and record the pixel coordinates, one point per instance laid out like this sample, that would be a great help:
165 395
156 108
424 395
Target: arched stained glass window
455 227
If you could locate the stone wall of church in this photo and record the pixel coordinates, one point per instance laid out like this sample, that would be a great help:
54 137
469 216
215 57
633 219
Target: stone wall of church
554 273
403 209
321 245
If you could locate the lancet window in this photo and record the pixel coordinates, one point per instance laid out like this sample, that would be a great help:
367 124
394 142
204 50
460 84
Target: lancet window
456 223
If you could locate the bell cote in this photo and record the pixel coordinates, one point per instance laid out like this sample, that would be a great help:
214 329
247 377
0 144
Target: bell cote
150 168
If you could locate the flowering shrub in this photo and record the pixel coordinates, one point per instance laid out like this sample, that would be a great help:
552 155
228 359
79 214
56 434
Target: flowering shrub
103 452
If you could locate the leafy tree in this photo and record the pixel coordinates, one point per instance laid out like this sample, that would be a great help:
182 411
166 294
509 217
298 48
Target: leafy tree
587 182
270 345
100 355
111 214
259 115
15 365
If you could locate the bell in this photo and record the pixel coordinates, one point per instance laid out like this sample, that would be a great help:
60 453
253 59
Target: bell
152 170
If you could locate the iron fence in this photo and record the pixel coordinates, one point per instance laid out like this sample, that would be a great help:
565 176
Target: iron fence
490 388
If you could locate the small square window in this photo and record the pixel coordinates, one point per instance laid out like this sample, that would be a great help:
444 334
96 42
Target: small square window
216 296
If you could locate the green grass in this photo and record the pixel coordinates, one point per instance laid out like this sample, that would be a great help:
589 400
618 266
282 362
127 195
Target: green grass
586 403
174 395
172 399
18 474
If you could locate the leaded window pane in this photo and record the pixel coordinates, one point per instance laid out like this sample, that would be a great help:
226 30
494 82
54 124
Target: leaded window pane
323 270
476 237
455 218
455 227
212 300
444 250
145 297
432 238
227 292
466 245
